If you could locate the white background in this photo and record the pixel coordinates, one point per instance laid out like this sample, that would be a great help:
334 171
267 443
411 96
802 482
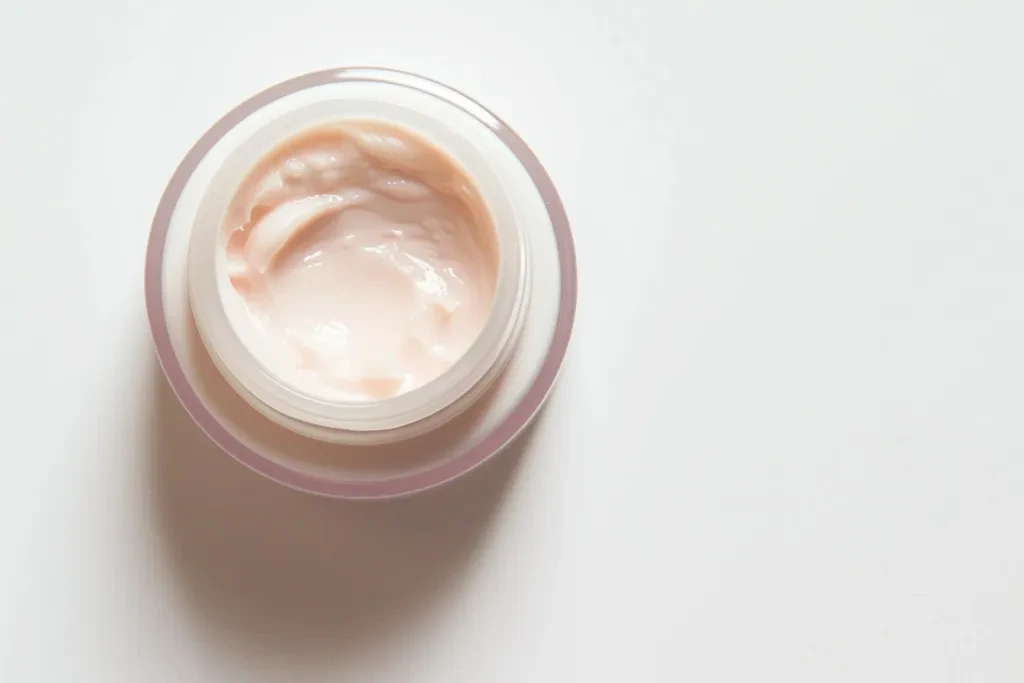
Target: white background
787 443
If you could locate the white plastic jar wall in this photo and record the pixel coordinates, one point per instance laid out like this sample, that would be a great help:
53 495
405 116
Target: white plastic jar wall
224 321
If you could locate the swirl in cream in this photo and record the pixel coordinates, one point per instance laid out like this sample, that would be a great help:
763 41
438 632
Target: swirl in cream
365 257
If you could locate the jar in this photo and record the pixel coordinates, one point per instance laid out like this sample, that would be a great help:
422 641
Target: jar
391 446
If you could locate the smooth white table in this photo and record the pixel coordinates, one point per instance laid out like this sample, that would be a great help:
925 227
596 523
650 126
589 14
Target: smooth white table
788 440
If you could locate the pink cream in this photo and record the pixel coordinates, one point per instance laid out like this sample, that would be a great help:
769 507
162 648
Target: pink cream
365 257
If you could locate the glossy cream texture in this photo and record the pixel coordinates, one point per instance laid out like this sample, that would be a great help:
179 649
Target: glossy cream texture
365 258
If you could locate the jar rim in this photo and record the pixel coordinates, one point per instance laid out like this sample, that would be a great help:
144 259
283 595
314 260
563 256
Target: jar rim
337 420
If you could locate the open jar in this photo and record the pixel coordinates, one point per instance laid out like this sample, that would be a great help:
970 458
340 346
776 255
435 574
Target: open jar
377 446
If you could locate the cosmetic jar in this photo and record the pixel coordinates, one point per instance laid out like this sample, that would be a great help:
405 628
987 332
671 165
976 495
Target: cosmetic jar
370 448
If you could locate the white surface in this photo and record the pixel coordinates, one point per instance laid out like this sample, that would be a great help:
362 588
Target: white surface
787 444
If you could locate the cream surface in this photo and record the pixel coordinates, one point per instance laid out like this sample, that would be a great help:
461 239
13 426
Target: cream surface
365 258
